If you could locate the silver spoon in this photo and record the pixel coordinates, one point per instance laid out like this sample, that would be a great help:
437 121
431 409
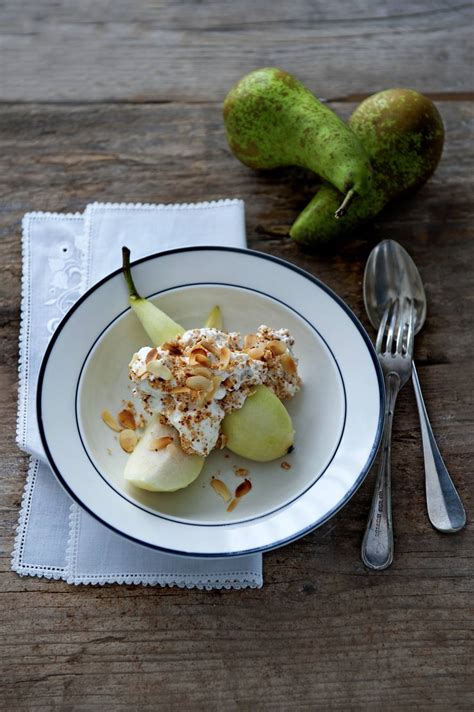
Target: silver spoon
390 273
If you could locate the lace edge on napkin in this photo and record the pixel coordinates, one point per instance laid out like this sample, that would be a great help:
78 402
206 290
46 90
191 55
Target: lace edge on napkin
97 205
17 565
254 580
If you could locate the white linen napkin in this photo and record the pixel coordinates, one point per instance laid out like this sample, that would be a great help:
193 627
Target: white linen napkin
63 255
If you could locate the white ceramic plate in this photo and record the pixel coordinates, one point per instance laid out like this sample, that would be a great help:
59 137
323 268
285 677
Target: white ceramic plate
337 415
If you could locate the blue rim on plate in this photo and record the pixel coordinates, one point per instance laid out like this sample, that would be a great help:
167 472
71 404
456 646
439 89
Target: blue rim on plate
318 522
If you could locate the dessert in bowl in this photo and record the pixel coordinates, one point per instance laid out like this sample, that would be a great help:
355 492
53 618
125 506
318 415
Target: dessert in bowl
336 414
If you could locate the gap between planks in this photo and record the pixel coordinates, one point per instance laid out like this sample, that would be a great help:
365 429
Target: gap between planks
150 100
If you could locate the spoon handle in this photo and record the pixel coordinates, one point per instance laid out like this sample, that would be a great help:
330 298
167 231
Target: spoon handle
377 544
445 509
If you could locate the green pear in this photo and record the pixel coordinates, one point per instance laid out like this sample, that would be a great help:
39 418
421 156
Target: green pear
261 430
165 470
403 134
158 325
264 419
272 120
214 320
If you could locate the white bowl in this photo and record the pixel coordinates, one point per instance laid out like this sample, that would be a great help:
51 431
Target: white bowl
337 415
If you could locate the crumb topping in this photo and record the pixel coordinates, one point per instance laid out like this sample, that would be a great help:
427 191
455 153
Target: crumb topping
203 374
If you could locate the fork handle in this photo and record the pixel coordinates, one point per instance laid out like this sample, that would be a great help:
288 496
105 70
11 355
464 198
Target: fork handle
445 509
377 545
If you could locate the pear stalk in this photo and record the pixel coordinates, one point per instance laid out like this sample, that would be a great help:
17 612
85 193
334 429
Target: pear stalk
345 204
127 273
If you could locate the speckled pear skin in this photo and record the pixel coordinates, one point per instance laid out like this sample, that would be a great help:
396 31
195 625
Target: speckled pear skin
272 120
403 134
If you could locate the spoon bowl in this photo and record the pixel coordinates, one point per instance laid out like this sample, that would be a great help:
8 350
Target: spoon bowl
390 273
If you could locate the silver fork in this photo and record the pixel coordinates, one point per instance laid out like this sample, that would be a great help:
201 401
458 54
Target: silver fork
394 348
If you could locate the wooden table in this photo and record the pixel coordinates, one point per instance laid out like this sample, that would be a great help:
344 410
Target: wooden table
122 101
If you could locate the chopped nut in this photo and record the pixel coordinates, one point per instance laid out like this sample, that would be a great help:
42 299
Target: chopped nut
277 347
224 357
232 505
109 420
288 364
285 466
128 440
250 340
160 443
243 489
241 471
267 355
159 370
221 489
126 419
199 383
151 355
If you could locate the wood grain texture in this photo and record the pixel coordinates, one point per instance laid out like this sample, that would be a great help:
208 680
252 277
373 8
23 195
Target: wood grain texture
194 51
324 633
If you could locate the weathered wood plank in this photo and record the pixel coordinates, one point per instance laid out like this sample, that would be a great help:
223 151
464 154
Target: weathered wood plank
182 51
324 633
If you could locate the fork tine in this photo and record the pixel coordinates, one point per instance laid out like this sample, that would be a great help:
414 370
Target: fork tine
401 326
382 327
392 324
410 333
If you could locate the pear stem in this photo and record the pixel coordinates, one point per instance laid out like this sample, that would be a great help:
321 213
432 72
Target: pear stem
345 204
127 273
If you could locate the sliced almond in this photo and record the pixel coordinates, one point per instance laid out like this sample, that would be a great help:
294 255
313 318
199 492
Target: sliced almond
243 489
159 370
203 371
198 349
201 398
173 348
221 489
216 382
276 347
285 466
109 420
232 505
221 441
224 357
128 440
151 355
198 355
288 364
180 389
199 383
127 419
141 371
212 348
241 472
160 443
250 340
256 353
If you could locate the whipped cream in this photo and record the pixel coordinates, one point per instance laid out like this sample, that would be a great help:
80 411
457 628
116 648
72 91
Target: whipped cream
203 374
